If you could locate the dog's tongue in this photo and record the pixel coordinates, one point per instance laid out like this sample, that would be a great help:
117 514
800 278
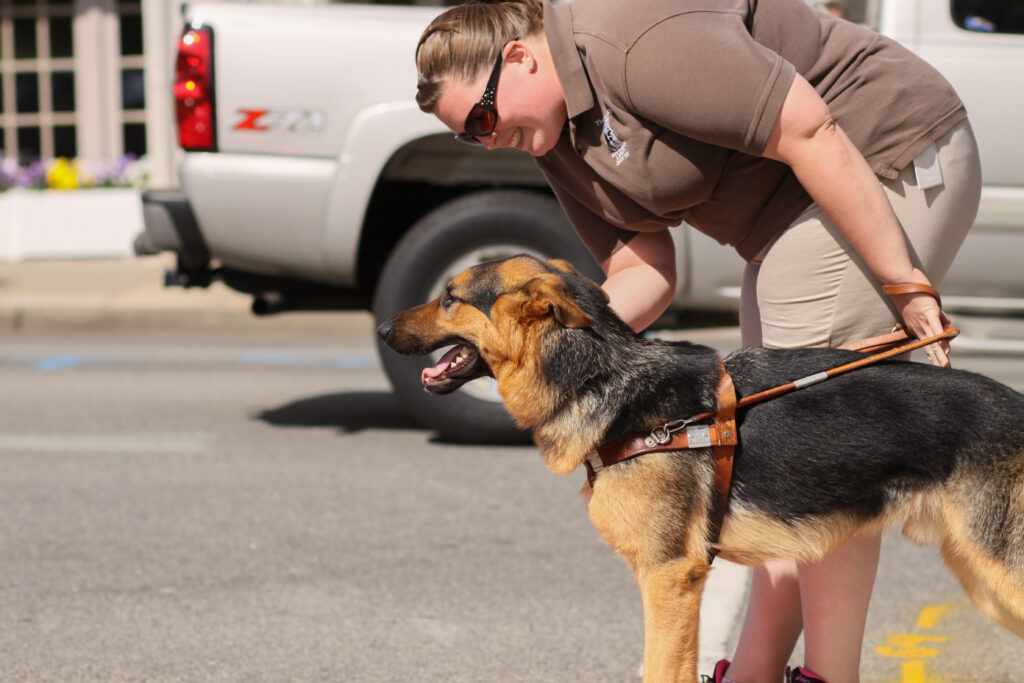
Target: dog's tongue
442 365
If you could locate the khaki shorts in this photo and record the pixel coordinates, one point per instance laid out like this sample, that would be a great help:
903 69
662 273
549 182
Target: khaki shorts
812 289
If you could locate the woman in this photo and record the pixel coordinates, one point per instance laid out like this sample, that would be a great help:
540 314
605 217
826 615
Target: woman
832 159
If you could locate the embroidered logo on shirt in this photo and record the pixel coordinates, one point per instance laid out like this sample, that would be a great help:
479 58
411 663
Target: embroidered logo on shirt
617 146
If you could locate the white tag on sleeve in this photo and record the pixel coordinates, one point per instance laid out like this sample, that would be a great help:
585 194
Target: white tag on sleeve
926 167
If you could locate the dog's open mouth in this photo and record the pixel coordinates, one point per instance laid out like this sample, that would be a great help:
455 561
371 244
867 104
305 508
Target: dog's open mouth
459 365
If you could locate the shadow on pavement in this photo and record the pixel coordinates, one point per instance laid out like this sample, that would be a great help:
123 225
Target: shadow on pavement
347 411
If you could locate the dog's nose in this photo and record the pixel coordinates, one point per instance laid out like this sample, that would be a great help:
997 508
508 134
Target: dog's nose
386 332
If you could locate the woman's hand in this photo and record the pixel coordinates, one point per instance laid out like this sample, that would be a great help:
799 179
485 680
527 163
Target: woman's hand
922 318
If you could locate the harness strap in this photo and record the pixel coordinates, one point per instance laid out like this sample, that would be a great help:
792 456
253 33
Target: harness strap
725 421
722 434
879 343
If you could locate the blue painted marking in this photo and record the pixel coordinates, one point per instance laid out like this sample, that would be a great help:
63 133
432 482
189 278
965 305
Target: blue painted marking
306 361
355 363
58 363
271 358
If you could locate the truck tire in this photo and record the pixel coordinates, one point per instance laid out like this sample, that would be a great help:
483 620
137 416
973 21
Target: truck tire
471 229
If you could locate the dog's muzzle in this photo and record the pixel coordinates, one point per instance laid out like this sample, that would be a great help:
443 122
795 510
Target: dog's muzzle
458 365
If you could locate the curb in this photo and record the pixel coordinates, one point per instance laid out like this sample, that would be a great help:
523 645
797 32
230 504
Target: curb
128 294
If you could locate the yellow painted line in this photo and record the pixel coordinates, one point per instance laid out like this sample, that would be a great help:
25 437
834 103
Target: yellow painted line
915 648
910 646
913 672
930 615
906 652
914 639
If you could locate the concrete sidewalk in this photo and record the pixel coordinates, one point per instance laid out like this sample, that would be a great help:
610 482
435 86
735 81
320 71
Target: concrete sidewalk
128 294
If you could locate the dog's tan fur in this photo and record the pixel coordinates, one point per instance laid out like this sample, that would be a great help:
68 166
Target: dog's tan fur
655 513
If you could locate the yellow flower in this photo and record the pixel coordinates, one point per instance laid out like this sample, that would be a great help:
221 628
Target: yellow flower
63 175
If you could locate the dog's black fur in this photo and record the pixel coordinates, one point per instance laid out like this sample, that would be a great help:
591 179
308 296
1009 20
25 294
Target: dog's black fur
904 423
940 451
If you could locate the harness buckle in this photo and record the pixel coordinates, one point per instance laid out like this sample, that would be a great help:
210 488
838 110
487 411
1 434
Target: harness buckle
660 436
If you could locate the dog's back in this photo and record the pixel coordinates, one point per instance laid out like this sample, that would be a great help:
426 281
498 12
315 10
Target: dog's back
913 424
939 451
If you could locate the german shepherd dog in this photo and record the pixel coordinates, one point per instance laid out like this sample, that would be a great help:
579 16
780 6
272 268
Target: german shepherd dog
939 451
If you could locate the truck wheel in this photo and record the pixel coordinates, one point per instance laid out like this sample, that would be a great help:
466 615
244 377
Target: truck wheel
456 235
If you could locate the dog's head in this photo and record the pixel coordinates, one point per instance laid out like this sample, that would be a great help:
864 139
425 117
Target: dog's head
501 319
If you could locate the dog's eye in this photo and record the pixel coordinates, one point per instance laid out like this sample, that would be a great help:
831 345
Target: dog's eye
448 300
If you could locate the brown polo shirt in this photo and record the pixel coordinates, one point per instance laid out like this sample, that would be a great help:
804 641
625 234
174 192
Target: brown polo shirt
671 103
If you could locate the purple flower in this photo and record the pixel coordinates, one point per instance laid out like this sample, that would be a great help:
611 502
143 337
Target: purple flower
127 171
8 172
34 176
111 173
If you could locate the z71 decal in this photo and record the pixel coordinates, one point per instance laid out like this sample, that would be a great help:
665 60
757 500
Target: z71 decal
291 120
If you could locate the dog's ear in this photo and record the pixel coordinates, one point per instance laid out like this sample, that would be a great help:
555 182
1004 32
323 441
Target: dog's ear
566 267
562 265
546 294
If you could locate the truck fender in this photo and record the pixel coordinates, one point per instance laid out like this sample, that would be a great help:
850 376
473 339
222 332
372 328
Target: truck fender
376 133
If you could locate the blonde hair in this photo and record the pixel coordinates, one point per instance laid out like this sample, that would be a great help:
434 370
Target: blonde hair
466 39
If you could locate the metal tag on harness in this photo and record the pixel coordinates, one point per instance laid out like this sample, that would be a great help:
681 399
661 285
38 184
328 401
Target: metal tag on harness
698 436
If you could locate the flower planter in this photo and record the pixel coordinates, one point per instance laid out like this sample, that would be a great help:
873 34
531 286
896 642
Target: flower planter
62 224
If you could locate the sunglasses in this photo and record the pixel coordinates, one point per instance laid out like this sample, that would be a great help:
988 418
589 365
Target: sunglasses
483 117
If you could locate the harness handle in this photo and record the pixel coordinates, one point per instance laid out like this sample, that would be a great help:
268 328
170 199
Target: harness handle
948 332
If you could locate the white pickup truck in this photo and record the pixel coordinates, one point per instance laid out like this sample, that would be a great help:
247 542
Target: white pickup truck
310 179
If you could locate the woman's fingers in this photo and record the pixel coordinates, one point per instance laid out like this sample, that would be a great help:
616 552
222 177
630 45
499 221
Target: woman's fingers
923 318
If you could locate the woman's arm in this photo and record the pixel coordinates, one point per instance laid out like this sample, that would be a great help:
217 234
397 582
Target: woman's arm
641 278
839 179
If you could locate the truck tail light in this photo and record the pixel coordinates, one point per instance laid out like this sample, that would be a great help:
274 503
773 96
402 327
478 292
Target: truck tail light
193 90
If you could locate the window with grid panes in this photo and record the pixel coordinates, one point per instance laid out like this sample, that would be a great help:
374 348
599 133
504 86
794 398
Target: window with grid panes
40 111
133 101
37 84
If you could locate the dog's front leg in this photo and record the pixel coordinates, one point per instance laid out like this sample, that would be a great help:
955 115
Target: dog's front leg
671 595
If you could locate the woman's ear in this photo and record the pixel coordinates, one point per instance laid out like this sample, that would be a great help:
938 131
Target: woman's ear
519 54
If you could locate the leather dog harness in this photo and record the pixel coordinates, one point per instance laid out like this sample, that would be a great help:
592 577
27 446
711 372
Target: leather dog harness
721 433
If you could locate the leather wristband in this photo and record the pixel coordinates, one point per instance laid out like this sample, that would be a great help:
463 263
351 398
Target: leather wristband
912 288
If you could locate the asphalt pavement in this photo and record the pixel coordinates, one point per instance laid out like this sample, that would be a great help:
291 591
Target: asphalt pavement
129 294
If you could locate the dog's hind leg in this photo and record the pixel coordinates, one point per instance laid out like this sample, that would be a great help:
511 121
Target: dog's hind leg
993 590
982 545
983 522
671 597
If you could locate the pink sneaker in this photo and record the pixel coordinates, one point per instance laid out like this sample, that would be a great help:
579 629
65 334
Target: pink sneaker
719 675
802 675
